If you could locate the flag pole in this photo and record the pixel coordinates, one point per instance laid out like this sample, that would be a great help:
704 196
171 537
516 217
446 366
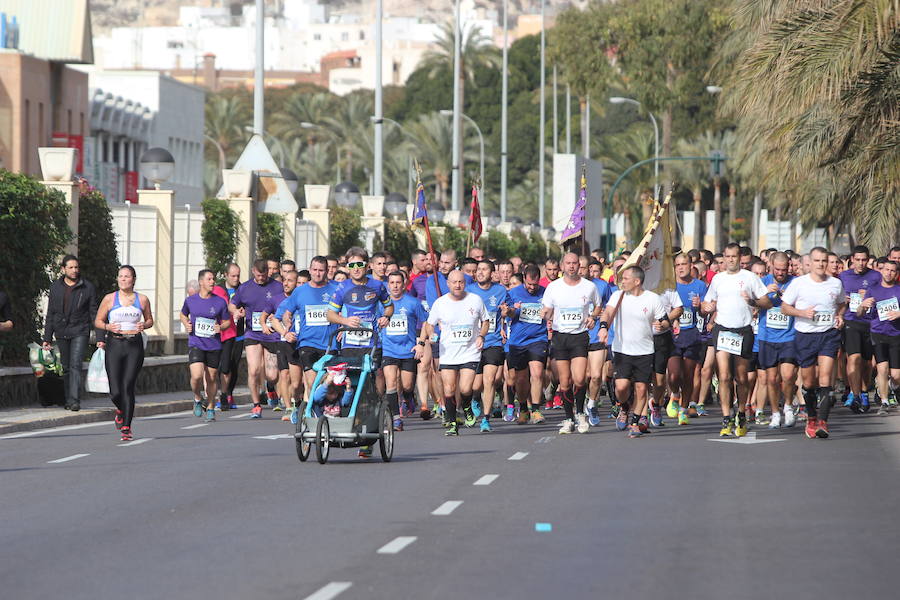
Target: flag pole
585 250
434 264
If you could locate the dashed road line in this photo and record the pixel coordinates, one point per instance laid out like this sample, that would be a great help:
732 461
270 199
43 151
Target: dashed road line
518 456
447 507
240 416
135 442
544 440
13 436
67 458
197 426
486 479
277 436
397 544
332 590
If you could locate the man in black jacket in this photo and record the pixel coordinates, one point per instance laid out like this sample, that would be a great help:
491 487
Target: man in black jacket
70 315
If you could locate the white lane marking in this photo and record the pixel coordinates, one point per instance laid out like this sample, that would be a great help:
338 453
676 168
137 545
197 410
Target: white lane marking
67 458
750 438
397 544
277 436
544 440
240 416
518 456
486 479
332 590
447 507
173 415
135 442
197 426
13 436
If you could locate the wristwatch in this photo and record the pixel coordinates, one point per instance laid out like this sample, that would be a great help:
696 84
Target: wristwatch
421 343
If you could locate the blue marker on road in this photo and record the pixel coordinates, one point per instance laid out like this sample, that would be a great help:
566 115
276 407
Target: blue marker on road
542 527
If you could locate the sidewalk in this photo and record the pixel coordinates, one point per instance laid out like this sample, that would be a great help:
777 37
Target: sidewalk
98 408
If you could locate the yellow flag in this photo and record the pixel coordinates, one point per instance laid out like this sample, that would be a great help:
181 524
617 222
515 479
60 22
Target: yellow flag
654 253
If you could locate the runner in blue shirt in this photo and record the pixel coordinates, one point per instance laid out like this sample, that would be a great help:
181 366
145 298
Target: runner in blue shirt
494 297
776 342
528 345
359 297
689 348
398 340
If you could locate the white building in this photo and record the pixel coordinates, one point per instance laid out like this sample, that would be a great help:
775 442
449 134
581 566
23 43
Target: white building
132 111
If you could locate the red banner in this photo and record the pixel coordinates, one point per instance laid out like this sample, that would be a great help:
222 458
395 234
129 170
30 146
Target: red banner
64 140
131 186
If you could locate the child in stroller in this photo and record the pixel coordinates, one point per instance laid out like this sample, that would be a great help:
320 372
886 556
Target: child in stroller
334 392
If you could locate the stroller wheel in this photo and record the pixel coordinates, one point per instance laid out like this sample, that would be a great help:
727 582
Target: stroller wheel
302 428
386 441
323 440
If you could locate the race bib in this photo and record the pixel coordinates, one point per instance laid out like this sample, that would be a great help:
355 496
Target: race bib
730 342
885 306
358 338
855 299
460 334
492 318
204 327
686 320
823 317
754 325
316 315
398 325
255 324
571 316
530 313
775 319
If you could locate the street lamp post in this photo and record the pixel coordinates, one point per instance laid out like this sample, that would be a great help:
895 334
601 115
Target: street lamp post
541 128
620 100
504 101
259 77
447 113
379 157
457 109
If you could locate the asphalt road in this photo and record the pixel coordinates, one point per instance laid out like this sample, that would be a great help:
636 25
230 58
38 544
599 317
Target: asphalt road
227 511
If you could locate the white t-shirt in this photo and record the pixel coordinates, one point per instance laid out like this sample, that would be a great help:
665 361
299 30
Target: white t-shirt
825 296
571 304
460 322
634 322
671 300
732 310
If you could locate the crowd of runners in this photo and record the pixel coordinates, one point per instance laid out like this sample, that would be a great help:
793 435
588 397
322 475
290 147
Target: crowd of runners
772 340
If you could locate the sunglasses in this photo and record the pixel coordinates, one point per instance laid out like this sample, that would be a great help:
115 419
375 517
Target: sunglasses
356 265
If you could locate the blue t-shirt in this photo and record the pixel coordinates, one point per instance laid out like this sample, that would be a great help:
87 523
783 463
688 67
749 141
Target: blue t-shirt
204 313
308 306
604 290
492 297
526 325
257 299
774 326
690 318
399 338
431 293
360 301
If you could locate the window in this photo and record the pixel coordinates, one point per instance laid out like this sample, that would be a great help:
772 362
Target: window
317 37
345 36
174 45
362 34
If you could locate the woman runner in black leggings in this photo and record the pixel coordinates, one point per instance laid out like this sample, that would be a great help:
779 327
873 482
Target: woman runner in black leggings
124 315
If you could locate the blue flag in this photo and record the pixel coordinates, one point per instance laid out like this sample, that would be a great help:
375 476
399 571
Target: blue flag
420 214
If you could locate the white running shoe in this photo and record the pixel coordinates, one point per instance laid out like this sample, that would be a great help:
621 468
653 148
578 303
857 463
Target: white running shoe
567 427
582 422
775 423
789 416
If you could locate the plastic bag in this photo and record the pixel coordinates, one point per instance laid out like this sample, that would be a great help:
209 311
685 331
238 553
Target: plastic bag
97 382
44 360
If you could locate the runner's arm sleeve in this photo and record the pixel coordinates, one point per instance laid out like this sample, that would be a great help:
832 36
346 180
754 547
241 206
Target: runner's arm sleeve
712 293
790 295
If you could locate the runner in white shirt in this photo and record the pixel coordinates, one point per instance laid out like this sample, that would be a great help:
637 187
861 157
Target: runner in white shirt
464 322
571 304
732 295
633 344
817 302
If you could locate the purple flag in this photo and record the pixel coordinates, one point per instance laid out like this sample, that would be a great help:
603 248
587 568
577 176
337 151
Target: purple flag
576 222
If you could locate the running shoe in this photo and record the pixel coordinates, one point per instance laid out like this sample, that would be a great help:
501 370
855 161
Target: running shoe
594 416
614 411
727 429
581 423
476 408
256 411
232 405
510 415
198 408
210 414
120 419
557 402
398 424
672 407
425 414
485 425
452 429
294 416
272 399
701 410
692 410
683 418
279 407
498 411
761 418
522 419
655 416
789 417
811 428
536 417
892 398
644 424
883 409
741 429
567 427
219 405
821 429
801 413
864 405
622 420
775 423
850 400
365 452
634 431
470 416
126 434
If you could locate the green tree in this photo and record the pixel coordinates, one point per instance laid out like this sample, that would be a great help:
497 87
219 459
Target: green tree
399 239
269 236
98 255
220 232
344 229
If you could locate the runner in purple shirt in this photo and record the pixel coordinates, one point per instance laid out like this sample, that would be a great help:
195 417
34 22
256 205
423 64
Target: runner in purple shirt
883 304
858 282
252 299
204 315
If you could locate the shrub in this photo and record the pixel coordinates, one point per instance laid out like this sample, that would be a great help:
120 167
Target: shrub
35 230
98 254
220 230
269 236
344 230
399 239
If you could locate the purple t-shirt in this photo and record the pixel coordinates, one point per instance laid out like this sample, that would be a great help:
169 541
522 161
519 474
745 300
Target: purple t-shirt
204 314
853 283
257 299
886 299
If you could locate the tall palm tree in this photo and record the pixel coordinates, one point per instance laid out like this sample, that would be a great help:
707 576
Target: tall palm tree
349 117
226 116
300 107
433 135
